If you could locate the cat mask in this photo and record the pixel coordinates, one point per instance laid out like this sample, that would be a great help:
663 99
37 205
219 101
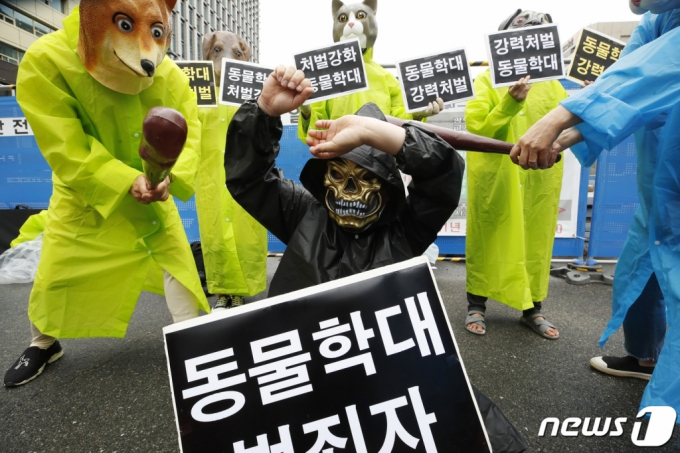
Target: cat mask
521 19
121 42
356 20
655 6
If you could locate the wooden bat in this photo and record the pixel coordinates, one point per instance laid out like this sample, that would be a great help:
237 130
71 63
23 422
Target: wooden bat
465 141
164 133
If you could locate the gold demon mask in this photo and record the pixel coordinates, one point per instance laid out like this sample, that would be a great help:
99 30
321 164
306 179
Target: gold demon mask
353 195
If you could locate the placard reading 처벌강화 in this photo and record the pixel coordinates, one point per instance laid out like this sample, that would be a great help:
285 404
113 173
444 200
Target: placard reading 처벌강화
201 76
445 76
334 71
515 54
595 52
241 81
363 364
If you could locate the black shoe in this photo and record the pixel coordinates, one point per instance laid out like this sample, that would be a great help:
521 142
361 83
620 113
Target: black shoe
622 367
31 363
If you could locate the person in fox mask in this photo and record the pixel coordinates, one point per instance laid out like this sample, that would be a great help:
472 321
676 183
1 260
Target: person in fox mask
85 91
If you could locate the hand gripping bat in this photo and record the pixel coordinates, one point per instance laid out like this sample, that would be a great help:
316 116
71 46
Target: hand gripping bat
466 141
163 136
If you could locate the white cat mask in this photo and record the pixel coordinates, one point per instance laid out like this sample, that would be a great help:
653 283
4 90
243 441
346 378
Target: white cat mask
355 20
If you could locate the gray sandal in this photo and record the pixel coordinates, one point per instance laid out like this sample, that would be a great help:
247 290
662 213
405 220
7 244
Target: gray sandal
539 326
479 320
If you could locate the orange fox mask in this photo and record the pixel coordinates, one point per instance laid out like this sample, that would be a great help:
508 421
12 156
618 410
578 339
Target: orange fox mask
122 42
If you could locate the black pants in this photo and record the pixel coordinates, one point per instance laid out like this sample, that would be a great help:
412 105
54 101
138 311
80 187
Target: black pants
479 303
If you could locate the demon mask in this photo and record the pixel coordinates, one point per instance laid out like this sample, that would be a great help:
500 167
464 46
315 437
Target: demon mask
354 195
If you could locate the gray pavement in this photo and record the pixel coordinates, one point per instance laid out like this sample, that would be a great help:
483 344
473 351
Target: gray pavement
111 395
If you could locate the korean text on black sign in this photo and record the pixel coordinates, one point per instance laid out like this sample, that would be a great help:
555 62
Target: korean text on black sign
515 54
445 76
370 366
201 76
594 54
334 71
241 81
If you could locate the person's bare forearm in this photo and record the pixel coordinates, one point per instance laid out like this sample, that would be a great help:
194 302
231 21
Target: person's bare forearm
383 136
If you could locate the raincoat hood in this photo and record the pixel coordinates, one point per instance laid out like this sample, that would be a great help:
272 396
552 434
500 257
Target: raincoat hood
381 164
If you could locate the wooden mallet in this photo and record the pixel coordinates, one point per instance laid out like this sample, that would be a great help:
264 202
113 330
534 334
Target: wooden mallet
164 134
465 141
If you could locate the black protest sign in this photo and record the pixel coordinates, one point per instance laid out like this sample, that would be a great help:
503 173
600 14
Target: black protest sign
595 52
334 71
515 54
201 76
445 76
241 81
363 364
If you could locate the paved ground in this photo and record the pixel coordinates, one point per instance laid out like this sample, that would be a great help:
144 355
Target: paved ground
109 395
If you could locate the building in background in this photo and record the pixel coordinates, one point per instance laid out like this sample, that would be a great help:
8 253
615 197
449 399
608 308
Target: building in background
616 30
192 19
24 21
21 23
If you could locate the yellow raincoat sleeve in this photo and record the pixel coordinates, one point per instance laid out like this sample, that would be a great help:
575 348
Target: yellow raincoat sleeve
184 171
77 159
491 112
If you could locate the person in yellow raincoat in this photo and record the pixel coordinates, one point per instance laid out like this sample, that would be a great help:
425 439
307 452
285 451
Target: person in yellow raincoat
85 91
512 213
358 21
234 244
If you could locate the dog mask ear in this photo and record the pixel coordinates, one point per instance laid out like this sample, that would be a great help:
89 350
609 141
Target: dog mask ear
207 45
170 4
245 48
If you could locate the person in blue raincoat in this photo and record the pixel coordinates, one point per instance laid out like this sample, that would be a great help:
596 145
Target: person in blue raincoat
639 93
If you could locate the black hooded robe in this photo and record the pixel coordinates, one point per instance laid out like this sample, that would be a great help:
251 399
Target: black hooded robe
318 250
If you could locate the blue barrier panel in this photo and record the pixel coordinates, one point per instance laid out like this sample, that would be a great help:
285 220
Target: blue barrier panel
615 200
25 177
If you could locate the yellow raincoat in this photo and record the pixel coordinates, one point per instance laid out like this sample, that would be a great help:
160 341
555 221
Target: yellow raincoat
31 228
384 91
234 244
512 213
101 247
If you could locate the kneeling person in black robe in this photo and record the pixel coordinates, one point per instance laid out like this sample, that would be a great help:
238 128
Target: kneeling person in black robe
352 214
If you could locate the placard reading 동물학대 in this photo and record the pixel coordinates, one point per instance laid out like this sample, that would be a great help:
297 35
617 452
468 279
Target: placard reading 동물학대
595 52
445 76
515 54
363 364
201 76
334 71
241 81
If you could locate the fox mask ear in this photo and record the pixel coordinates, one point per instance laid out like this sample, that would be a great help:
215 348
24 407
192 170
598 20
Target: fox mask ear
171 4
